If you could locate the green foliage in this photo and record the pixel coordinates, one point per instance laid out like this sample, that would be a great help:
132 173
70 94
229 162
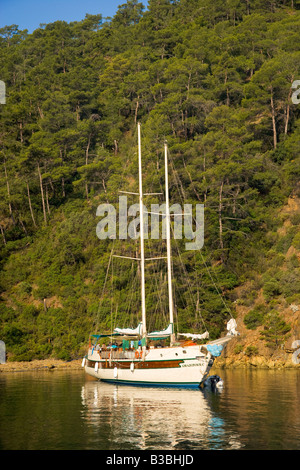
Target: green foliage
290 281
238 349
272 288
12 334
286 241
296 241
255 317
251 351
275 330
214 79
285 282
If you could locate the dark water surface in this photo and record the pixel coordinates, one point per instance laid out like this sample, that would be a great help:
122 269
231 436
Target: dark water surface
53 410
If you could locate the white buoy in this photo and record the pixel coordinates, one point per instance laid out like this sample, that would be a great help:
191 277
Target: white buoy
115 373
132 367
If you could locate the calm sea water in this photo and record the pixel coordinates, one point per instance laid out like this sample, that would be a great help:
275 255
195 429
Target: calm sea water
257 410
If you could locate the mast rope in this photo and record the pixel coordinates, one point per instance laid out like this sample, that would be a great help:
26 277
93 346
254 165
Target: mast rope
103 289
182 197
189 283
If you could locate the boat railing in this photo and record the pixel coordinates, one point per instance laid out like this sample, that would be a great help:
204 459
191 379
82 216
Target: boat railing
120 354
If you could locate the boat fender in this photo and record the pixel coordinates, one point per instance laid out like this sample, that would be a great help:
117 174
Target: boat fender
83 362
115 372
132 367
215 382
96 367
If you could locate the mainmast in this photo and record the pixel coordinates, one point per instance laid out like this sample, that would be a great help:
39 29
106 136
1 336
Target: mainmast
168 237
142 234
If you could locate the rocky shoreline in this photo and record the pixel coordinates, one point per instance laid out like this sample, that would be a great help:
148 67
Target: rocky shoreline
256 362
46 364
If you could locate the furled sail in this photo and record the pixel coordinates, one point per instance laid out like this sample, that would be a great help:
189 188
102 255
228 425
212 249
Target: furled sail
130 331
166 332
231 328
195 336
215 347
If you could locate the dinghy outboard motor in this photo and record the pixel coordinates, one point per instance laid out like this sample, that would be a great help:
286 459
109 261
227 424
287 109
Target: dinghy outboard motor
215 382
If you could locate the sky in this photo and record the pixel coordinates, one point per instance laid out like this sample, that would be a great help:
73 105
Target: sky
28 14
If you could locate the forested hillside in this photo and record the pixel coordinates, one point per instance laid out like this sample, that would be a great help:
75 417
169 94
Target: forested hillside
214 78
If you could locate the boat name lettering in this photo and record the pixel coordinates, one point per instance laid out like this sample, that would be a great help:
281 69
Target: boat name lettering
191 365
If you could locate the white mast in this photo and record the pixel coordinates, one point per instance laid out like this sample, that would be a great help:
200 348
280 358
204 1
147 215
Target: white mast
168 237
142 234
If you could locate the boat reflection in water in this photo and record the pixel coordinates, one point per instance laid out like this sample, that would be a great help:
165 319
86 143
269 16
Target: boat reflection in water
152 418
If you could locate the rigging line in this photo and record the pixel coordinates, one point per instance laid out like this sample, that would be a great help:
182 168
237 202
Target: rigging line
197 284
225 305
184 270
125 167
159 301
134 283
113 323
154 276
182 200
112 288
117 306
176 177
178 248
155 283
189 284
129 297
104 285
159 290
214 283
173 288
